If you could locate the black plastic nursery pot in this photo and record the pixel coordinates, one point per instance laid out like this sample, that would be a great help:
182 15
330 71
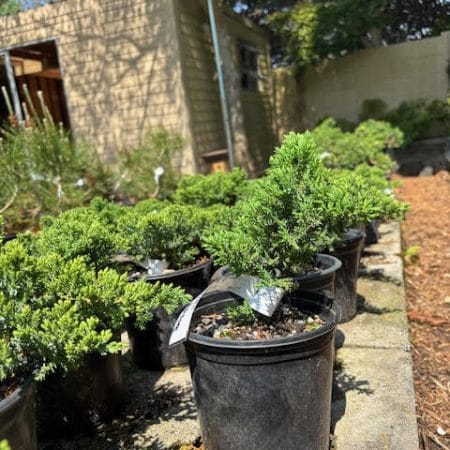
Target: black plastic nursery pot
323 279
149 347
349 253
17 417
9 237
265 394
193 279
78 402
372 233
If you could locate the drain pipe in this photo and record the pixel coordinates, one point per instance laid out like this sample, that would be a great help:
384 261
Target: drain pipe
223 93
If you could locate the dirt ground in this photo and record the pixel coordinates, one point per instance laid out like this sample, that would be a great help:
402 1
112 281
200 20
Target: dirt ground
426 250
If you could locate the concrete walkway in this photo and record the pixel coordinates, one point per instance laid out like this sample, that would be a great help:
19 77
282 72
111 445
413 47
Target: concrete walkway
373 405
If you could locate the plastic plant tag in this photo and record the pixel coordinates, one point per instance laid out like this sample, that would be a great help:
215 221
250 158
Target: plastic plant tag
155 266
264 300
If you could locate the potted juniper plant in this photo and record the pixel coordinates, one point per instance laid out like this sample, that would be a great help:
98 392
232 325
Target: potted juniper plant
65 320
259 381
42 332
371 198
167 242
365 147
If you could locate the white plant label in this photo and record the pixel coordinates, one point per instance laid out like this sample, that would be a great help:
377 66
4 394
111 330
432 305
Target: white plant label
264 300
155 266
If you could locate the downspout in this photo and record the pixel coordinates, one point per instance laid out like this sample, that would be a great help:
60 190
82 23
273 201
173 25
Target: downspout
13 86
223 93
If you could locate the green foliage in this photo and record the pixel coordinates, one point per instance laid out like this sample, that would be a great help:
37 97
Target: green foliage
241 314
4 445
293 213
42 169
172 233
80 231
379 135
8 7
297 210
364 146
372 108
2 228
164 295
411 254
55 312
421 119
313 31
206 190
159 148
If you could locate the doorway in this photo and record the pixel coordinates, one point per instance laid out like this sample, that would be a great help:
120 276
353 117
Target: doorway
30 77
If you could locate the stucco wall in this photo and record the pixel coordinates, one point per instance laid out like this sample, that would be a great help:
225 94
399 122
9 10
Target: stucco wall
121 67
394 74
401 72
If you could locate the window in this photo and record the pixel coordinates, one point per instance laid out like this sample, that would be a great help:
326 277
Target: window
248 59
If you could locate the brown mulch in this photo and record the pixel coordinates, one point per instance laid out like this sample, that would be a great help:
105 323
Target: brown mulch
427 276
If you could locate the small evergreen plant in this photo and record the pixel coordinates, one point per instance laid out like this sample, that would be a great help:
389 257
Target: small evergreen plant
55 312
172 233
297 210
206 190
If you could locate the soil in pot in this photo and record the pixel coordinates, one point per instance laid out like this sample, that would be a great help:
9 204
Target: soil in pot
265 393
149 347
79 401
349 253
17 417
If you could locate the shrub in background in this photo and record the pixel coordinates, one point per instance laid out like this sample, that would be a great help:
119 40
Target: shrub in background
137 180
206 190
417 119
43 170
364 146
172 234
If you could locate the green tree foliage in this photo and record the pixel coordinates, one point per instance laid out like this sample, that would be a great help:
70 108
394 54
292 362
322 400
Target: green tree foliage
312 31
8 7
306 32
206 190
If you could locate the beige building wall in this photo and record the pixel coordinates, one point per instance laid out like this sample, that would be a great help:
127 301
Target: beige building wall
200 77
132 65
257 107
121 67
400 72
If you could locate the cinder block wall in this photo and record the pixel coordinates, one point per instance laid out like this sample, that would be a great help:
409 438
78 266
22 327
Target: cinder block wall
121 67
400 72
